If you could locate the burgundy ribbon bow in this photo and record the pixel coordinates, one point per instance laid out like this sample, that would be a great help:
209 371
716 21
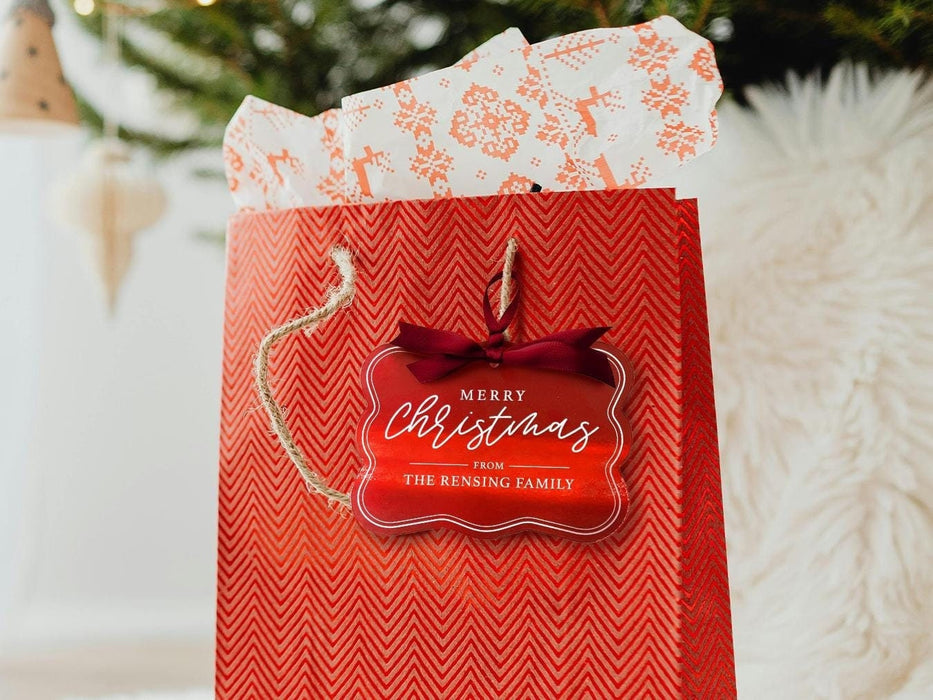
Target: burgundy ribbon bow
564 351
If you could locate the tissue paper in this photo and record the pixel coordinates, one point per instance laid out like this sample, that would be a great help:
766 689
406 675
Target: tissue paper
276 158
598 109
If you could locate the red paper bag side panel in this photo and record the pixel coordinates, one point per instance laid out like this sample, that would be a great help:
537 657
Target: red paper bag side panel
707 620
311 605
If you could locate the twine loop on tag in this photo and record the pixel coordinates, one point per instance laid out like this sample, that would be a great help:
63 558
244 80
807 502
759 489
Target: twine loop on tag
337 298
505 290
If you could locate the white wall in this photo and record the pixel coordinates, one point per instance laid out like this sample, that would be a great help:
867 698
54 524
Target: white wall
21 252
108 426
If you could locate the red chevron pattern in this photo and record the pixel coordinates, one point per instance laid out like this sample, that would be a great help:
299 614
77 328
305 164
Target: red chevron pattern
311 605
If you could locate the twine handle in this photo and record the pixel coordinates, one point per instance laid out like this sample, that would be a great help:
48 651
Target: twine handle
337 298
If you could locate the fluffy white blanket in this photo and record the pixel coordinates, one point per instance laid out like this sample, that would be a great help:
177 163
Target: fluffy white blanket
817 216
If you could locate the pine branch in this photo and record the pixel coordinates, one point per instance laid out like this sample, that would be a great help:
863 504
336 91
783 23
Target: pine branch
159 146
846 22
702 13
307 54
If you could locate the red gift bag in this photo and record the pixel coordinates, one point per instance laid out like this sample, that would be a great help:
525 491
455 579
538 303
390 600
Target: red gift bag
312 605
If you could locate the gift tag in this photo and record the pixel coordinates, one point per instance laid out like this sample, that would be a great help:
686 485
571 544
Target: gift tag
492 450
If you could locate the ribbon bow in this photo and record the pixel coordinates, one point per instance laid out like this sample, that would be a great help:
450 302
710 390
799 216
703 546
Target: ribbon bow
564 351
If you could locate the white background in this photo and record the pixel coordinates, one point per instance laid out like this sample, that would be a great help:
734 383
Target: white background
108 425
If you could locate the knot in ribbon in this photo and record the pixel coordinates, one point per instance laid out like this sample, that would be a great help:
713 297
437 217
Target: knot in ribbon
564 351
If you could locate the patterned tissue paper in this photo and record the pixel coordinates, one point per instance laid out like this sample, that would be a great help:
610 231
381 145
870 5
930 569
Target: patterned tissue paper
276 158
598 109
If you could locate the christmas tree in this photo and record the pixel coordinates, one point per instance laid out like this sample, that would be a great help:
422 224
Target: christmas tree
307 54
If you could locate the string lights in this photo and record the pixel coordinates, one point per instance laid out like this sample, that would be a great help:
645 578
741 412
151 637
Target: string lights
88 7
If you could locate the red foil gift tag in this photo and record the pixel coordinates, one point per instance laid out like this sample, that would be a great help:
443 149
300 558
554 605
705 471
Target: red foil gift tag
492 450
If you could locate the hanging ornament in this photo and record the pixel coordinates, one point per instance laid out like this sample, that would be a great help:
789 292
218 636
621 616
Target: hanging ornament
109 199
34 94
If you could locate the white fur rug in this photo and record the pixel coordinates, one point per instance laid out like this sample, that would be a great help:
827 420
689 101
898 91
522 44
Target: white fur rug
817 216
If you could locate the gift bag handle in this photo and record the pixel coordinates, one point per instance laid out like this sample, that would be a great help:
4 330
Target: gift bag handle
337 298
